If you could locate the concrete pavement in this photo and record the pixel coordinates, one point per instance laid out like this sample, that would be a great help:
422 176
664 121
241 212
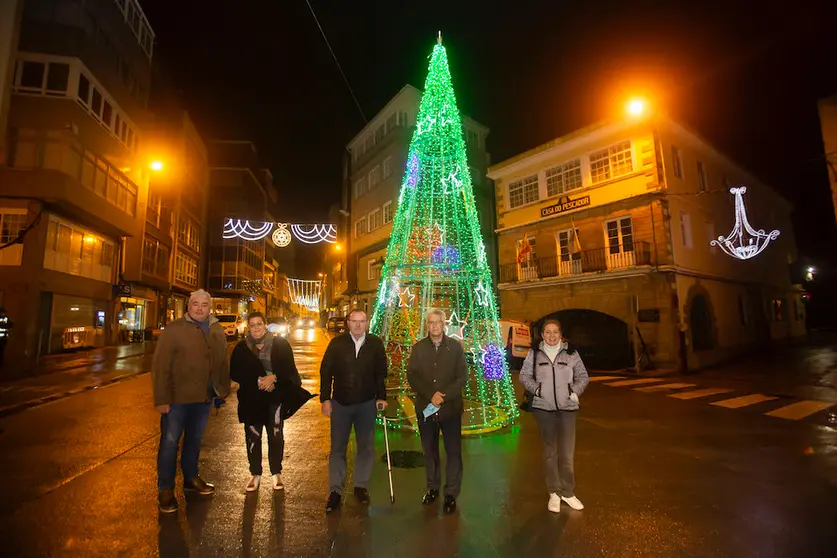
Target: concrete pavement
660 477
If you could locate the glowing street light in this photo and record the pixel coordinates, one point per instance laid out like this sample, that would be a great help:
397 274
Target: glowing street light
156 166
635 107
338 247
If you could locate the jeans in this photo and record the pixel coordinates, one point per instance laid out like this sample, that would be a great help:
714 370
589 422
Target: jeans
343 417
451 429
188 418
274 424
557 430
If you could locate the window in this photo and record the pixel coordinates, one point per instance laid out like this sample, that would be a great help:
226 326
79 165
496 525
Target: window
360 188
152 214
379 134
12 222
563 178
686 230
523 191
32 75
188 233
676 162
567 244
391 122
77 251
373 270
779 310
710 235
742 310
360 227
526 257
58 78
96 103
387 167
620 236
83 89
374 177
612 162
701 177
387 209
107 114
374 219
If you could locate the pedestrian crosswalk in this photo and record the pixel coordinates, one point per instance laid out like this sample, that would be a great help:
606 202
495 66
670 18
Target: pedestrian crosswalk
718 396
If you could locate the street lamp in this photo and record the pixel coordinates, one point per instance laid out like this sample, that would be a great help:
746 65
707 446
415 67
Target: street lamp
635 107
156 166
338 247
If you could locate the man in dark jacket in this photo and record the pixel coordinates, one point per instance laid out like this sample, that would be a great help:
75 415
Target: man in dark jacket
437 372
190 369
352 377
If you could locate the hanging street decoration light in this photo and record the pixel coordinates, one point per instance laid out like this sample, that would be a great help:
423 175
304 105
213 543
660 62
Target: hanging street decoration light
306 293
257 230
743 242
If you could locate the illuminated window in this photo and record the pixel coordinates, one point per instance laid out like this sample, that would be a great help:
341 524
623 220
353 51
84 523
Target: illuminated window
612 162
563 178
523 191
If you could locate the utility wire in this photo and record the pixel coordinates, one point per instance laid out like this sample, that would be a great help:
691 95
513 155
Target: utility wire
337 62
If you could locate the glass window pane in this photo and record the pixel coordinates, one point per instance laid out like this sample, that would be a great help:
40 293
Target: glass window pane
32 75
83 88
59 75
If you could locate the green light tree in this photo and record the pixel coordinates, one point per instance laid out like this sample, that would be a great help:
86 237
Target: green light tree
436 259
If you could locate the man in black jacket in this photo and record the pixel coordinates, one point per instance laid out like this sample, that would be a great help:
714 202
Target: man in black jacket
352 377
437 372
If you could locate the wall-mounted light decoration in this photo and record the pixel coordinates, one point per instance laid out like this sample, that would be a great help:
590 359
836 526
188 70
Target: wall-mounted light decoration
257 230
743 242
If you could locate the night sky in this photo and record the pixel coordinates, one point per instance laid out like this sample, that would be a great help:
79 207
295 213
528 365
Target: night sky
745 75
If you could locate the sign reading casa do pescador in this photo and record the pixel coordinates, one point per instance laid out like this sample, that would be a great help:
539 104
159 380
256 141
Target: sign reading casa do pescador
565 204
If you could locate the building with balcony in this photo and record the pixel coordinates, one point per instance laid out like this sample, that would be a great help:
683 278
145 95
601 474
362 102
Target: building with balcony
377 162
168 261
244 275
828 125
73 179
608 229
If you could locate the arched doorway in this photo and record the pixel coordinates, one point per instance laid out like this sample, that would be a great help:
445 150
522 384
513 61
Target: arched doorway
601 340
700 323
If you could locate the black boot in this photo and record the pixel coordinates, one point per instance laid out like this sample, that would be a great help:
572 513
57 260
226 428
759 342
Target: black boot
450 504
430 497
198 485
333 502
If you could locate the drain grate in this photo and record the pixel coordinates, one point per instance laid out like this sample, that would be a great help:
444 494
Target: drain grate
405 459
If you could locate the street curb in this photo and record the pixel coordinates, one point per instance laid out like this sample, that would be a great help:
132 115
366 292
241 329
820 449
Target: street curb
9 410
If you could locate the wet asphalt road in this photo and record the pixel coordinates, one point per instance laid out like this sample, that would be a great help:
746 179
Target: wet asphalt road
660 477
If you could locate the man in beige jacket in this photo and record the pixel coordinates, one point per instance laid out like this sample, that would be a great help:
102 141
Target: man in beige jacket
190 369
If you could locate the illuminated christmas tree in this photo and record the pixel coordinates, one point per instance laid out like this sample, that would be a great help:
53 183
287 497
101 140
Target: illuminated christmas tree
436 259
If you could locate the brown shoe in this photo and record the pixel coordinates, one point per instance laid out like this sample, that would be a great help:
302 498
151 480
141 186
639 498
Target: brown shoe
198 485
166 501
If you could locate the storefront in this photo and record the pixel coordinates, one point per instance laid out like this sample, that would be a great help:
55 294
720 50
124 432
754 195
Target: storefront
76 323
237 306
137 312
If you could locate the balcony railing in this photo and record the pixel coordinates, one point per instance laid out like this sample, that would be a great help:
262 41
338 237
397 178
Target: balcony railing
615 257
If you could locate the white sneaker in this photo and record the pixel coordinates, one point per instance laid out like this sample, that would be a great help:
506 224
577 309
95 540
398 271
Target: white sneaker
254 483
573 502
554 504
277 482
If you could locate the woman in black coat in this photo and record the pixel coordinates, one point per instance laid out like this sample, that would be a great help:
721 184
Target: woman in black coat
263 365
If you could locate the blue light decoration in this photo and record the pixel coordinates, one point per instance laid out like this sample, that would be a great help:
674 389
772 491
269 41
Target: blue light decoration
493 362
446 256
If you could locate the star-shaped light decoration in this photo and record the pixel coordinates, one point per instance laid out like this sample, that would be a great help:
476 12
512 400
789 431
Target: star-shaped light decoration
452 182
482 294
406 297
455 326
425 125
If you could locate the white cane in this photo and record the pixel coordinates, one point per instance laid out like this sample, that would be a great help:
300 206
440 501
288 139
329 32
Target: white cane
389 463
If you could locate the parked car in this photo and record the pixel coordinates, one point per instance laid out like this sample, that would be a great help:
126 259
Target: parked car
518 338
305 323
234 327
336 323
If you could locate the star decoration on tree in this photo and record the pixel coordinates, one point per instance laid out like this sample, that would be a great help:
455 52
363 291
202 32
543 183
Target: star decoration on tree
455 326
482 294
407 297
452 181
425 125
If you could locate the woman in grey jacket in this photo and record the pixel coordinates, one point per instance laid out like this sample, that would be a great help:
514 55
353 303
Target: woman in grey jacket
556 377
